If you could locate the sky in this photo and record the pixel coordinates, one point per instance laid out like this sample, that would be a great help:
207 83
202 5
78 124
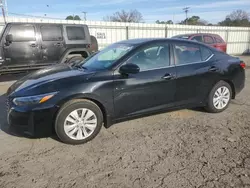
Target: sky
212 11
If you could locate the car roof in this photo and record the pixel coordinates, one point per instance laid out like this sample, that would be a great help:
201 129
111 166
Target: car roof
192 34
138 41
149 40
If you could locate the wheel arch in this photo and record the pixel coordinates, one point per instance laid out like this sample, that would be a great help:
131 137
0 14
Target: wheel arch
232 87
91 98
83 51
224 80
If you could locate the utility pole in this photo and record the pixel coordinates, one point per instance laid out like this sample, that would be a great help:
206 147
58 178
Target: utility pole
85 17
3 5
186 10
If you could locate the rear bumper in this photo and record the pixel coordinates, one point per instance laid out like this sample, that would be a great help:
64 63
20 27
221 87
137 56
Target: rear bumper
33 123
239 82
239 88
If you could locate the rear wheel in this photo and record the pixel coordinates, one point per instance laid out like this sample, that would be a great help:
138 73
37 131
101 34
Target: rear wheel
219 97
78 122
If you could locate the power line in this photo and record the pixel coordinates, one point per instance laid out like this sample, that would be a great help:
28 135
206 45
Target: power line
32 16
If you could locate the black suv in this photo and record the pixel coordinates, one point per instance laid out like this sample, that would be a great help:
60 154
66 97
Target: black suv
29 46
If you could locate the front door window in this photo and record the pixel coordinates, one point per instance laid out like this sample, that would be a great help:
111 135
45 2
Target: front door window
152 57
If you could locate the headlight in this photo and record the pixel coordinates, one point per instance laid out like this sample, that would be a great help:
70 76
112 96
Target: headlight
30 100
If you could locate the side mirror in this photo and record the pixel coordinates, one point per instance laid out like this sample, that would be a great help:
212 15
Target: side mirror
9 38
129 69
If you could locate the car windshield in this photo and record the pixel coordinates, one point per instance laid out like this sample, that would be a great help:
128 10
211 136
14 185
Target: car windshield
106 57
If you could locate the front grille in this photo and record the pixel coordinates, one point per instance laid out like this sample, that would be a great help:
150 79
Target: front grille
7 104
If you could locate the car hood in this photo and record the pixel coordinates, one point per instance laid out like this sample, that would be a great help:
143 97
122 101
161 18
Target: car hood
45 78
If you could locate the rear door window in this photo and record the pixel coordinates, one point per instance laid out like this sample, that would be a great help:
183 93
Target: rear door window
218 40
23 33
51 33
187 53
208 39
205 53
75 33
197 38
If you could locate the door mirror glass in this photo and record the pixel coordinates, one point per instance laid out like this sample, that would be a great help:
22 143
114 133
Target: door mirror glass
129 69
9 38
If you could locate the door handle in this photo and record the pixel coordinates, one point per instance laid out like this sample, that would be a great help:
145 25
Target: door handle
33 45
58 44
43 47
168 77
213 69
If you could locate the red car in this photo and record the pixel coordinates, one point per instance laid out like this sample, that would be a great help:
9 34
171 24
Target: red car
212 40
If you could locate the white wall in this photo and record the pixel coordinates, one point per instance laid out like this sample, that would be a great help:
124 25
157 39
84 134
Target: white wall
238 38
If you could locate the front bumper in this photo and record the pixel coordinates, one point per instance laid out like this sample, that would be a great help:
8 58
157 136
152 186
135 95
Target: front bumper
38 123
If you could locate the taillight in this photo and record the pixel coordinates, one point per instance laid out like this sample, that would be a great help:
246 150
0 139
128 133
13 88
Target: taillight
243 65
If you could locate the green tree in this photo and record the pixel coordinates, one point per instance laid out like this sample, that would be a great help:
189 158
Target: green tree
194 20
77 17
70 17
164 22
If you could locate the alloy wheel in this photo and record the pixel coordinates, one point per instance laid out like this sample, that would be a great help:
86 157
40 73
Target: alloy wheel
80 124
221 97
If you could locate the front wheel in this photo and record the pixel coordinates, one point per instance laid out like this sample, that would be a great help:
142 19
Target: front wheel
78 122
219 97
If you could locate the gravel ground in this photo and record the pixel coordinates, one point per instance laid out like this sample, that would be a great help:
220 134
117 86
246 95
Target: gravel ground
185 148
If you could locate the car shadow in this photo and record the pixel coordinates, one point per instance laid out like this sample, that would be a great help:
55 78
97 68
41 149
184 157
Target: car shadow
13 132
197 109
246 52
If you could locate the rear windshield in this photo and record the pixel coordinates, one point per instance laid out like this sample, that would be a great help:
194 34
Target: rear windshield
218 39
182 37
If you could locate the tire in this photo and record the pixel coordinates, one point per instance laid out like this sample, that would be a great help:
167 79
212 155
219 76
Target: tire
65 121
74 59
94 44
213 105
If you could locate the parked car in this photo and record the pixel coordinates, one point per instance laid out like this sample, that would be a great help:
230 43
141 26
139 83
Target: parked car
127 79
212 40
29 46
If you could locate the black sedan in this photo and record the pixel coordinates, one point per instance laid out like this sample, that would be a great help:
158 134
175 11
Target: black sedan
127 79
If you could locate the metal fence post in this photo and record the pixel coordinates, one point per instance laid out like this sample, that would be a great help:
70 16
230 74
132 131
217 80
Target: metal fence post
227 33
248 51
166 31
127 34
